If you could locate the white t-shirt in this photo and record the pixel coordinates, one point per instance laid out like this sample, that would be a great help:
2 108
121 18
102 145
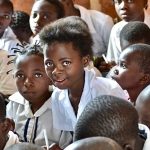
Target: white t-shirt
114 48
64 117
9 41
30 126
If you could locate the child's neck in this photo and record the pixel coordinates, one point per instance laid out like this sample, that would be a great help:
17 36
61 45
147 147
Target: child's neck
134 94
75 97
140 18
37 106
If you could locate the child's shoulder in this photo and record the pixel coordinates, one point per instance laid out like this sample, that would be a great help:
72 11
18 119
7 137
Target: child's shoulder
17 98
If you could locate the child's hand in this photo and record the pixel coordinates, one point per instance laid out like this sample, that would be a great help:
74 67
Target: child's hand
53 146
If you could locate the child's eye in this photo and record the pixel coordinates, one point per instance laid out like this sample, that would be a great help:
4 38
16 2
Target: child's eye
66 63
45 17
49 64
123 65
38 75
34 15
19 76
5 16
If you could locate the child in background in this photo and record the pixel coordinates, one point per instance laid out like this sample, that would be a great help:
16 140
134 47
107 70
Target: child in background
20 26
133 69
94 143
67 46
127 10
142 106
8 39
30 107
114 118
43 12
99 25
134 32
7 137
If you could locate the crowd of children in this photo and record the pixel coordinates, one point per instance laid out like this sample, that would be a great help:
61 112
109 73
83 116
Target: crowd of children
51 95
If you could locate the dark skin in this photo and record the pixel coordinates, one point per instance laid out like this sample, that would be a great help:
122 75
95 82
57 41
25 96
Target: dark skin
32 81
65 67
69 8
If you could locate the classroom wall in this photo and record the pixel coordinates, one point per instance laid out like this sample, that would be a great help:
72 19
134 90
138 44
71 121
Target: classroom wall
24 5
105 6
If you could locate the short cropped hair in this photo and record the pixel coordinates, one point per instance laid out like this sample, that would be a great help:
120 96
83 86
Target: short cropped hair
135 31
141 54
59 7
68 30
7 3
20 21
110 117
94 143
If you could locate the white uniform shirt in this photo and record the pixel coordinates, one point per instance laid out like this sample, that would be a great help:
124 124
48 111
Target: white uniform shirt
9 41
114 48
30 126
13 139
63 114
100 26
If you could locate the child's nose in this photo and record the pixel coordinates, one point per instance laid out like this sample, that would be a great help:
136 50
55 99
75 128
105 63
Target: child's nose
28 82
57 70
37 18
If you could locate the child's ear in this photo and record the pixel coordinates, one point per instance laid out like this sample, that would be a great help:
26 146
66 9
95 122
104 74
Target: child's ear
128 147
145 79
86 60
6 126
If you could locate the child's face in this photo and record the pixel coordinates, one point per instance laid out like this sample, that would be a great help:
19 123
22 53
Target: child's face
130 10
127 72
65 66
42 13
31 79
5 17
142 106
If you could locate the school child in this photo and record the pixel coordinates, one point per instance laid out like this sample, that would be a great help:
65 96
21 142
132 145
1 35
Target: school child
7 137
94 143
20 26
30 107
114 118
134 32
132 71
43 12
8 39
99 24
142 106
67 46
128 11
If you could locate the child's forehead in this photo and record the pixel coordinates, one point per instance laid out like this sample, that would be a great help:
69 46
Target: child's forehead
5 9
25 58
